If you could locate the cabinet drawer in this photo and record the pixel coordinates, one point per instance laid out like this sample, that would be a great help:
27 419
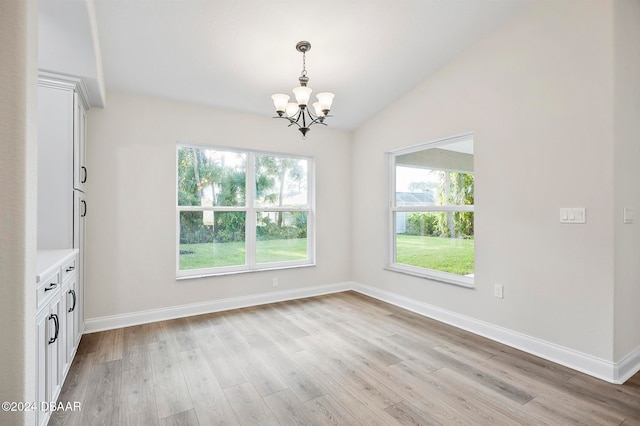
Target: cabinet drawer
68 269
49 286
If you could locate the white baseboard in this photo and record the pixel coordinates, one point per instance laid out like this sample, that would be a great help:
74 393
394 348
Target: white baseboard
611 372
93 325
628 366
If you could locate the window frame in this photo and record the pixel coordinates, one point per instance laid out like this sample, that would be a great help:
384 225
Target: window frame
391 264
251 210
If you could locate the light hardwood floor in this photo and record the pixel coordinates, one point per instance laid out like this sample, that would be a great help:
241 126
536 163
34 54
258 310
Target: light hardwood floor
338 359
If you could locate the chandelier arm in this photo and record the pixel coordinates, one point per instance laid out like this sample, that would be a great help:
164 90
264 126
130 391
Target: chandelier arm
317 121
291 121
311 114
297 119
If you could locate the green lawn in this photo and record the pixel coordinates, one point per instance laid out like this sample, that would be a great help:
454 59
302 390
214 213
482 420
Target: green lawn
212 255
442 254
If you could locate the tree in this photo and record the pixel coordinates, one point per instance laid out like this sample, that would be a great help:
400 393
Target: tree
458 189
201 171
272 171
208 174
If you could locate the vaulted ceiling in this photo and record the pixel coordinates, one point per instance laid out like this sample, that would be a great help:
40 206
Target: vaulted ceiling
235 54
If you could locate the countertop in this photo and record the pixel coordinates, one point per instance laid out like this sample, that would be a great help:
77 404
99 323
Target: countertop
49 260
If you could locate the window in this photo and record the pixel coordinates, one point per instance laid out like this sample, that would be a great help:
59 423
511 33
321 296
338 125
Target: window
240 211
432 208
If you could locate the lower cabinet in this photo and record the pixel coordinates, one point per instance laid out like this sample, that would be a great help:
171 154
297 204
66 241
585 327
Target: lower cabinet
58 332
71 310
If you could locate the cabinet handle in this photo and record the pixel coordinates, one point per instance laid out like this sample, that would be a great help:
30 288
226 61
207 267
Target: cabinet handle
70 268
54 317
73 293
84 179
52 286
84 211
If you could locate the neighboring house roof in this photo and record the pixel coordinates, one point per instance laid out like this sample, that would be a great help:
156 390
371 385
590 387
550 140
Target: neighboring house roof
414 198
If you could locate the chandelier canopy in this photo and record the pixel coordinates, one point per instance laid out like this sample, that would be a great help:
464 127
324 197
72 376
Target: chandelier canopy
298 112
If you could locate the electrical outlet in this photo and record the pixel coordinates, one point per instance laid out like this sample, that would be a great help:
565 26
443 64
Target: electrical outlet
275 282
498 291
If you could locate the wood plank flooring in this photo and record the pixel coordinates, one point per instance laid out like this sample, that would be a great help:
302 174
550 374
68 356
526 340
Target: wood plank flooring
342 359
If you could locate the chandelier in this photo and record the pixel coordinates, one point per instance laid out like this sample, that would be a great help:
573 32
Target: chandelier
298 112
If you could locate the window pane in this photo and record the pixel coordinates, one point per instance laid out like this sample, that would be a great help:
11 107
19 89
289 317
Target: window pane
442 241
209 240
281 236
208 177
435 176
281 181
428 187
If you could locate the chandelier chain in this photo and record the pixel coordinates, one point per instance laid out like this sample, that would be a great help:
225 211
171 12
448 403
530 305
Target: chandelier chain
304 64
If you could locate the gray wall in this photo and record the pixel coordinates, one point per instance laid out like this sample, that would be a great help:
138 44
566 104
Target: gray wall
538 96
131 228
627 174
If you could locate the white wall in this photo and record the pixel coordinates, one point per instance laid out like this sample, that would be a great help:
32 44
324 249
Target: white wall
538 95
627 175
131 235
18 130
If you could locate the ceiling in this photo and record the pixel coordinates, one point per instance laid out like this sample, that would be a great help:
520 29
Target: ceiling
235 54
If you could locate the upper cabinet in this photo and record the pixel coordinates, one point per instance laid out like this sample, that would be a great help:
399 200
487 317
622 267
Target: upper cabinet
62 170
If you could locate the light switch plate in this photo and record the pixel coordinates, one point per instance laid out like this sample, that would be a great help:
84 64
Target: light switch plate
573 215
627 215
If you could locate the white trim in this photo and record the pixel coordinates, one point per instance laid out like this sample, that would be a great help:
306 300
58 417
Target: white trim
611 372
391 236
68 82
435 208
251 210
627 366
271 266
617 372
110 322
462 137
465 281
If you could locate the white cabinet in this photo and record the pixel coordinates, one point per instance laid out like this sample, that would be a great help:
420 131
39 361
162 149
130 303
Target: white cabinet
62 208
71 309
62 170
55 347
58 329
79 214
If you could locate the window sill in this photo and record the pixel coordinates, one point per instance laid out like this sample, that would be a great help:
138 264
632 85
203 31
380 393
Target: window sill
444 277
207 274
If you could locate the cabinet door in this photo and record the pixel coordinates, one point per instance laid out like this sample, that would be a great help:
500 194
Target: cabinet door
79 145
80 209
42 379
55 167
71 311
79 217
56 348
